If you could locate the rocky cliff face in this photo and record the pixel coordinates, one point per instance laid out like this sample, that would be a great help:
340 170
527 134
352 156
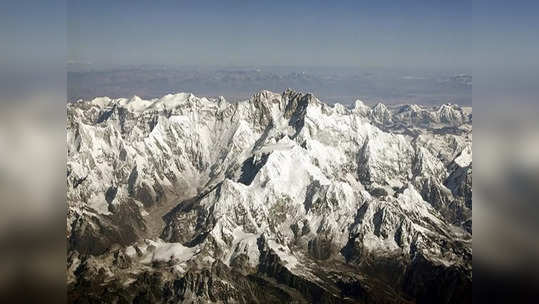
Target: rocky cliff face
280 198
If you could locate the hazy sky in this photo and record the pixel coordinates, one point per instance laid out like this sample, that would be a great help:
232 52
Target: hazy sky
424 34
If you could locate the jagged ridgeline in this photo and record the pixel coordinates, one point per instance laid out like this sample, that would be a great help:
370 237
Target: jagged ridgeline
277 199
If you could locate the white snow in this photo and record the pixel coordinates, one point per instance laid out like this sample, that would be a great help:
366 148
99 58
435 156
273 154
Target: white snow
199 142
284 254
465 157
99 204
164 252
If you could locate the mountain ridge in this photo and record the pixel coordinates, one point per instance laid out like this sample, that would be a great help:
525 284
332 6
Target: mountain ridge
334 203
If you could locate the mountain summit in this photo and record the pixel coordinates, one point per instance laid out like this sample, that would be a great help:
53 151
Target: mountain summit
280 198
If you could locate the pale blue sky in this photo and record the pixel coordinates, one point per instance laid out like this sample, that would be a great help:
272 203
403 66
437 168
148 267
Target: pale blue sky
422 34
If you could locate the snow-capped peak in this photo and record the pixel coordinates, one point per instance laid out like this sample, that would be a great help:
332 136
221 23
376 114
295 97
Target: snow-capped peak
278 188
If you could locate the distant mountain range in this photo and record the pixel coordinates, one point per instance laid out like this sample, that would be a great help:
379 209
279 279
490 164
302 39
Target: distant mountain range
343 85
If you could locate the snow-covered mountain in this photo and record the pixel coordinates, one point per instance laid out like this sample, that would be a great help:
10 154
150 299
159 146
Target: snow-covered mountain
279 198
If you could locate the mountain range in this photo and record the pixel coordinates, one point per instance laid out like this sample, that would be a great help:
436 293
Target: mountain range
280 198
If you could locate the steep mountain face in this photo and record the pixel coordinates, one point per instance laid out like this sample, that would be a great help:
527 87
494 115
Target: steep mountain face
280 198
